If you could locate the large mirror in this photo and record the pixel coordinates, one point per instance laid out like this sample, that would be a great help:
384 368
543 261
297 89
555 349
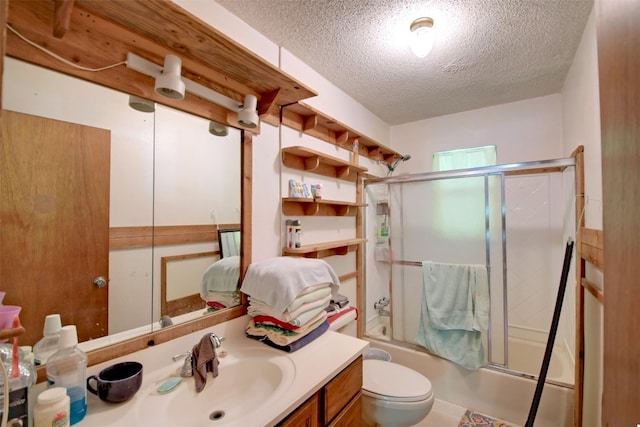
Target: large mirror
145 191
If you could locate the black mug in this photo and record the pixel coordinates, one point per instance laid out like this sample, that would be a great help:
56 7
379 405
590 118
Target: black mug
117 383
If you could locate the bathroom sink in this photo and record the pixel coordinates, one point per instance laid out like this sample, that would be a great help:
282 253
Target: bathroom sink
248 380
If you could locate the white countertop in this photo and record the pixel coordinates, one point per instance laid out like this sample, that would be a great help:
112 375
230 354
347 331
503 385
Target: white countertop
315 365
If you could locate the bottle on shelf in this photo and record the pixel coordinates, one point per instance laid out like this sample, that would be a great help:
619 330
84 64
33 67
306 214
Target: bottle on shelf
48 344
67 368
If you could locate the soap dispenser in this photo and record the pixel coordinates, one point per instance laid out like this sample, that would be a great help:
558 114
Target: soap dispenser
48 345
67 368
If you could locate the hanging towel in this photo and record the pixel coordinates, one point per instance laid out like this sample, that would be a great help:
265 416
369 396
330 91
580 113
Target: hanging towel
455 311
203 360
278 281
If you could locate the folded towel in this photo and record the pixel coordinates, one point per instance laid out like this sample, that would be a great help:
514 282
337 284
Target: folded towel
300 320
281 336
340 300
298 344
289 315
343 312
229 299
203 360
221 276
278 281
269 320
457 335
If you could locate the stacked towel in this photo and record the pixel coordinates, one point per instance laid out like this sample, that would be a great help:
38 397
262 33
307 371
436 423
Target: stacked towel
339 307
288 300
219 287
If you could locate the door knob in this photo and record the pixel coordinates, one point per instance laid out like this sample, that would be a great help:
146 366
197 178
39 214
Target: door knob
100 282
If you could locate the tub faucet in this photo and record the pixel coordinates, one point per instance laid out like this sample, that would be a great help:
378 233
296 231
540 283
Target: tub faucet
381 306
187 367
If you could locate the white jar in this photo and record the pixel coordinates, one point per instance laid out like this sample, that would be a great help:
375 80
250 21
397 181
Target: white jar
52 408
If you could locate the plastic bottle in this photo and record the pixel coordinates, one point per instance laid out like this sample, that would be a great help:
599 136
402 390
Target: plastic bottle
67 368
18 386
52 408
48 345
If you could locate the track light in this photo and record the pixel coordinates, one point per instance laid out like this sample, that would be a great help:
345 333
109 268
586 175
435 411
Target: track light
141 104
218 129
169 83
248 116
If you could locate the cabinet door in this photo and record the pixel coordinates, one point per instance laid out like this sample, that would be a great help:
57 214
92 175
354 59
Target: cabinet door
307 415
351 416
342 389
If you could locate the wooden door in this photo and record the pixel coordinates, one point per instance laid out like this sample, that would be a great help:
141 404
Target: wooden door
618 29
54 222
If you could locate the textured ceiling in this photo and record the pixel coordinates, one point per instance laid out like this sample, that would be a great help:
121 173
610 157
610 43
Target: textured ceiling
487 52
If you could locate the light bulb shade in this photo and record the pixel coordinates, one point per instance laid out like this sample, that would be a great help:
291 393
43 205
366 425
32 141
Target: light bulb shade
422 37
141 104
248 116
218 129
169 83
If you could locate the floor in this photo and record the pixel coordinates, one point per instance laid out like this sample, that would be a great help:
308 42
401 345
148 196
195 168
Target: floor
443 414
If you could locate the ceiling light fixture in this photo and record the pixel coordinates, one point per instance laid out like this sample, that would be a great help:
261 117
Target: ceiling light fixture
218 129
141 104
422 36
247 114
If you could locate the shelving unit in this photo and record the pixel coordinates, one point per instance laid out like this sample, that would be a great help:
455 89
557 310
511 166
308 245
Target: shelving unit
309 160
292 206
322 250
304 118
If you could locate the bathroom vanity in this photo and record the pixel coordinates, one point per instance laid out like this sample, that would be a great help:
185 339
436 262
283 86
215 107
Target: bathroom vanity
257 385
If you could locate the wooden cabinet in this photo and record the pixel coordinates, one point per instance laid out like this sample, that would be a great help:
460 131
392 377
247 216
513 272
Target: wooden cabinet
337 404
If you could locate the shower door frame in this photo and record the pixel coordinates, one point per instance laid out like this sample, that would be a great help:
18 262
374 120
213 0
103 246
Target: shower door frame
533 167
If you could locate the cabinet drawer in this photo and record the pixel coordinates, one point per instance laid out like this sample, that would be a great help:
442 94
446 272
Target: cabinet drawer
352 414
342 389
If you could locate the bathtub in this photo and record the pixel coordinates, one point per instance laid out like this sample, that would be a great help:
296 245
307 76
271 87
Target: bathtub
526 356
490 391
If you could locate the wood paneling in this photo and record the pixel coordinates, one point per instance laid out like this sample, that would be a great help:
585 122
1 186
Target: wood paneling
342 389
618 35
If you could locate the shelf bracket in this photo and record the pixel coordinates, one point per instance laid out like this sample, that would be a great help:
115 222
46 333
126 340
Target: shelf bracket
342 137
342 172
311 163
62 17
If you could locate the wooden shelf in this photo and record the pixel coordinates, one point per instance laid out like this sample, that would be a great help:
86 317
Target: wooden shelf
309 160
293 206
303 117
322 250
95 33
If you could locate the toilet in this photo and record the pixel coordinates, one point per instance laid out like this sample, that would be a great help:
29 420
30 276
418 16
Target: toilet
393 395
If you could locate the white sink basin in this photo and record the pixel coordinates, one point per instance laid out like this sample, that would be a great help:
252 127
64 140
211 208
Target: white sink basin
248 380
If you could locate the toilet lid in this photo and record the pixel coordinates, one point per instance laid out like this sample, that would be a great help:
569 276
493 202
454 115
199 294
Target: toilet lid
393 382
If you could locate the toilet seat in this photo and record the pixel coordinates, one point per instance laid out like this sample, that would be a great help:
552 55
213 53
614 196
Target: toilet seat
392 382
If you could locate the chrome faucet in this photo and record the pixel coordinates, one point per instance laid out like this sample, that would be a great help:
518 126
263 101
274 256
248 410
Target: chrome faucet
381 306
187 368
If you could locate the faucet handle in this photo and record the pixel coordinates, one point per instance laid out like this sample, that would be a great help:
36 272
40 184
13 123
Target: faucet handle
216 340
186 354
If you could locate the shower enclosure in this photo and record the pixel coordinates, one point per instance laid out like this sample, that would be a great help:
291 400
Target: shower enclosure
515 219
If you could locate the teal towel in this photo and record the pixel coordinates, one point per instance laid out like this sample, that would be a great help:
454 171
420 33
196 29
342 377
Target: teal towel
455 311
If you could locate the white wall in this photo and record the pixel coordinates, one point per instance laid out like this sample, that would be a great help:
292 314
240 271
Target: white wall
581 126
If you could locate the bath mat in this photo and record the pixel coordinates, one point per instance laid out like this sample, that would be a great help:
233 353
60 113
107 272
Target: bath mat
474 419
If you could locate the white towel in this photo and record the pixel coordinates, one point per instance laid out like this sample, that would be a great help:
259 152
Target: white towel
221 276
278 281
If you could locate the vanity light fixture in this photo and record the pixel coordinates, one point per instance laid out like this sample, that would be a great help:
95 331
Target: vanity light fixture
169 83
422 36
141 104
247 114
218 129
